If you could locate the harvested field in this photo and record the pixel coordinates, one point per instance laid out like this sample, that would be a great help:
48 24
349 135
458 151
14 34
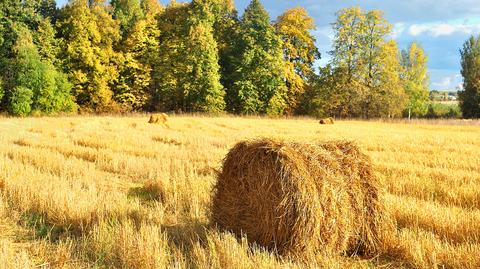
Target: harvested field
118 192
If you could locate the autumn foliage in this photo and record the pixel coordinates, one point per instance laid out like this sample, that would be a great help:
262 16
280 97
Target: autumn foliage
202 56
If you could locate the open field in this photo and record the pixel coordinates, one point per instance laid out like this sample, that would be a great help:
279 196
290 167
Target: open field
117 192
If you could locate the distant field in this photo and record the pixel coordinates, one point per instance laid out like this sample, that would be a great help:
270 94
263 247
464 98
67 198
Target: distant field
448 102
86 192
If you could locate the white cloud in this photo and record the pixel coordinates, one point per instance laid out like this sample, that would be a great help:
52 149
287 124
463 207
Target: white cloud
444 83
448 82
443 29
398 29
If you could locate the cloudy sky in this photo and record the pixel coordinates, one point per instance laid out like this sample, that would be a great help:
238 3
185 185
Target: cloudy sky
440 26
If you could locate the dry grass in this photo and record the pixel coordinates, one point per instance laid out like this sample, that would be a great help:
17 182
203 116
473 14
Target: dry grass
10 257
95 192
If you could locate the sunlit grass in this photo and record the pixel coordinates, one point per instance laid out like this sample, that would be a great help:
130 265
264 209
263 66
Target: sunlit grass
112 191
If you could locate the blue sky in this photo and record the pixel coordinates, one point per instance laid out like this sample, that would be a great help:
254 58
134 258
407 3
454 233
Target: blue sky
440 26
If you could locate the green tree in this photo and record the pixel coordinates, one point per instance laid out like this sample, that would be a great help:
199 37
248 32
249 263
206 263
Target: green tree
151 7
207 92
347 47
35 15
372 86
47 9
300 52
90 34
325 95
24 12
187 74
470 96
15 14
346 55
372 44
387 94
415 80
170 68
128 13
47 44
259 78
20 101
30 80
50 91
226 33
15 18
2 94
139 50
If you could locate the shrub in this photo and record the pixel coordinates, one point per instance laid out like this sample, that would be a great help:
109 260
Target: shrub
51 89
2 94
64 100
21 101
276 105
439 110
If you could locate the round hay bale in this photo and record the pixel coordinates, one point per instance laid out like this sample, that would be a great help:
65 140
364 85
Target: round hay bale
159 119
327 121
300 198
163 117
153 119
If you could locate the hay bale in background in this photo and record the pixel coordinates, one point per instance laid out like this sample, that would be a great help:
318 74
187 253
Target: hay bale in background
153 119
300 199
327 121
159 119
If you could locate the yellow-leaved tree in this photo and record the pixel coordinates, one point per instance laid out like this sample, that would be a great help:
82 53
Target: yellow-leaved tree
300 52
368 63
90 33
186 76
139 52
416 80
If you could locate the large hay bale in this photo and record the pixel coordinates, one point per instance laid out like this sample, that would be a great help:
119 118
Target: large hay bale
300 198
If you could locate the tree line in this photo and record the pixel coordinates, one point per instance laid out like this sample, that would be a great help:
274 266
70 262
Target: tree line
202 56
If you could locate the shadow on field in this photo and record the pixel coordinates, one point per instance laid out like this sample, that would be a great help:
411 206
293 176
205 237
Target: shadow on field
186 235
145 194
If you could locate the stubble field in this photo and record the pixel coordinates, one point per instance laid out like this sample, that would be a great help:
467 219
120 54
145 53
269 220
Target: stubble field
113 192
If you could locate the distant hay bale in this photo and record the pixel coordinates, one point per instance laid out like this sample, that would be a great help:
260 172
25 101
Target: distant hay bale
327 121
153 119
159 119
300 198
